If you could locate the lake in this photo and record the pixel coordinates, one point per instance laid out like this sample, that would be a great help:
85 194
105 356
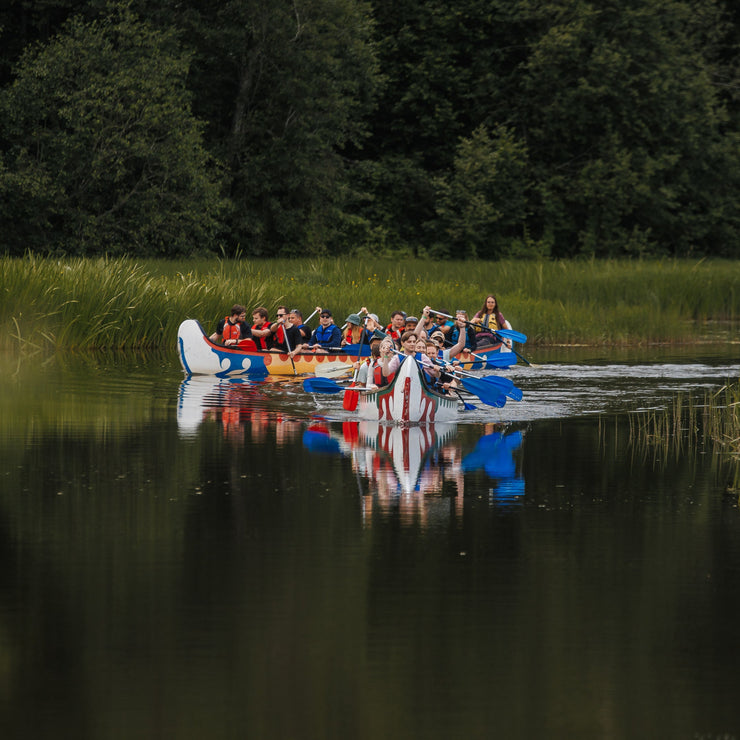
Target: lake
196 558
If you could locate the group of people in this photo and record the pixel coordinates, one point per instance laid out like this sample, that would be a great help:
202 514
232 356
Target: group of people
435 337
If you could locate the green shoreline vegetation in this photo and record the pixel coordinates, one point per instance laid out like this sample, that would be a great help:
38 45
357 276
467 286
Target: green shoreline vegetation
121 303
693 424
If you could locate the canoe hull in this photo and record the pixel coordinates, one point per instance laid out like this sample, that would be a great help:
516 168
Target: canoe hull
407 400
199 356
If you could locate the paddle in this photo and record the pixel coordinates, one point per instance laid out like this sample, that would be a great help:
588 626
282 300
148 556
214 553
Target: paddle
496 359
514 336
489 384
321 385
333 369
352 397
287 344
312 315
467 406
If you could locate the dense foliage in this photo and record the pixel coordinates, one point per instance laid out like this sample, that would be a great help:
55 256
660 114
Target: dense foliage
479 129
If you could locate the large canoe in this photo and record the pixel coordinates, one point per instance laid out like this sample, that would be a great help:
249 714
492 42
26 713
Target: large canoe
199 356
408 399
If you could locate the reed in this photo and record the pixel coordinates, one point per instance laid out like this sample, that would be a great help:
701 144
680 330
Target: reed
710 424
122 303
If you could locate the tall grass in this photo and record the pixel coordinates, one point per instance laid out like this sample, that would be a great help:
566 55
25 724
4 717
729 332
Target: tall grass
711 424
116 303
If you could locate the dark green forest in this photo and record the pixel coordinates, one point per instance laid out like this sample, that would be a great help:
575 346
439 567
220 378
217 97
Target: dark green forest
466 128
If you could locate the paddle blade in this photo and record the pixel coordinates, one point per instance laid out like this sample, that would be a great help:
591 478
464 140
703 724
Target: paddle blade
351 399
505 385
500 359
515 336
321 385
487 393
333 369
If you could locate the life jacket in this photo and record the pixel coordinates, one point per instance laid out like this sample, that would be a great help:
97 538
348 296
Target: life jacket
378 378
231 331
261 342
489 321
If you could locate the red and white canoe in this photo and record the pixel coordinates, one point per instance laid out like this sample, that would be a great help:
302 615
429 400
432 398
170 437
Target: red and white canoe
407 399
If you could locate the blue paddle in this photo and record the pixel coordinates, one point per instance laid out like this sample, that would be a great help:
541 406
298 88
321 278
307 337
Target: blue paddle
494 384
496 359
514 336
321 385
486 392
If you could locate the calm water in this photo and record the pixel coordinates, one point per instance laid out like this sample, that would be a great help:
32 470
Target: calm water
214 559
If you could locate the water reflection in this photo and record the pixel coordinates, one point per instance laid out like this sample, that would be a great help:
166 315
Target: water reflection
395 467
235 403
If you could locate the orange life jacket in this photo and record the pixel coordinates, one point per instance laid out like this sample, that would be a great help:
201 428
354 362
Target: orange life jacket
231 331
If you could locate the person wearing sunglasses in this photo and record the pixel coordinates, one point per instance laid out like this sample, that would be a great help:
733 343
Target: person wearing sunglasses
327 337
285 335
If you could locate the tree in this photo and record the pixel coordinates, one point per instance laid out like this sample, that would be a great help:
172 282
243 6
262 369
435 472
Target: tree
285 88
483 207
101 152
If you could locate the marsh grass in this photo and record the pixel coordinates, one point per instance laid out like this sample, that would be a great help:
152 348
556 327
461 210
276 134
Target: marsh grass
122 303
710 424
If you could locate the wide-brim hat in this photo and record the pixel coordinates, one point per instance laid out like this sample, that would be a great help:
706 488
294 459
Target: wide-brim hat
354 318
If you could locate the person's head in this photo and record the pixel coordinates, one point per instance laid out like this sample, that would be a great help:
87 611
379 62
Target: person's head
353 320
490 305
372 322
295 317
408 342
461 316
238 312
411 322
281 312
421 345
325 317
438 339
398 319
431 348
386 346
259 315
375 349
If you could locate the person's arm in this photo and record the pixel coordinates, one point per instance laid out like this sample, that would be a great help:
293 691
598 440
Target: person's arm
261 332
218 334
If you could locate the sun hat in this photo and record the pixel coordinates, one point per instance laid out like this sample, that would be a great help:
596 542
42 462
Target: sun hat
353 318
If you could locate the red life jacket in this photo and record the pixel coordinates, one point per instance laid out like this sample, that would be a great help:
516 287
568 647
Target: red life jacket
231 331
261 342
378 378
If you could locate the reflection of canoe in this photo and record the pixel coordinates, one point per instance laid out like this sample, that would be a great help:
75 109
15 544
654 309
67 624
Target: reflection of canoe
407 446
199 356
199 395
407 399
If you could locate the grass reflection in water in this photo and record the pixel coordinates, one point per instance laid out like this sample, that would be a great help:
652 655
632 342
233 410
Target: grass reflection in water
710 424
